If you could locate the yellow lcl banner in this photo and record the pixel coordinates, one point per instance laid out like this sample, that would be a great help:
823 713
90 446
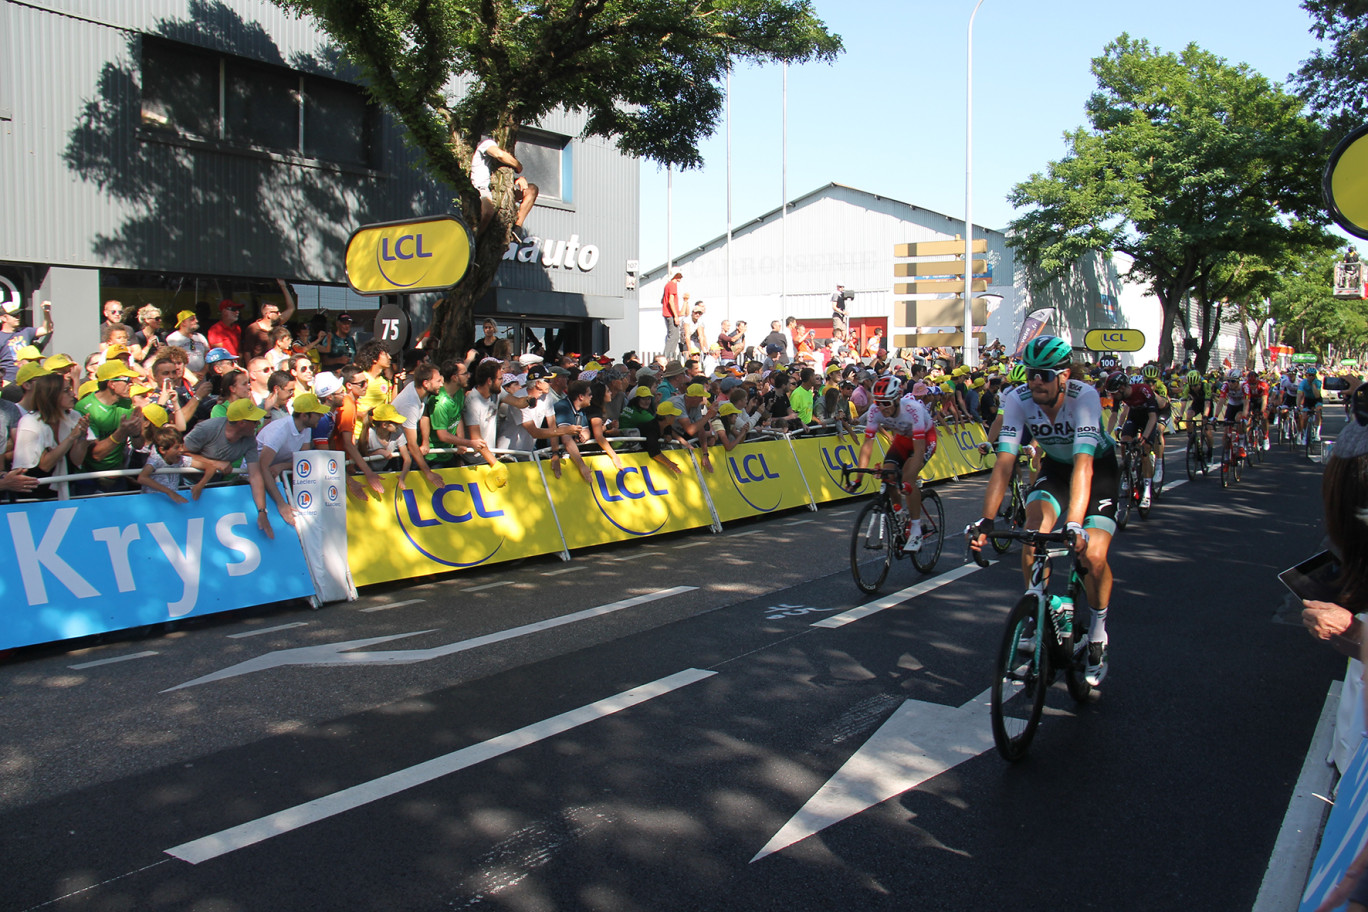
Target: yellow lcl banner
1116 340
427 254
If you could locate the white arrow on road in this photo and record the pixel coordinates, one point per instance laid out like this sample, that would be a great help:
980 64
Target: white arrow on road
334 654
918 742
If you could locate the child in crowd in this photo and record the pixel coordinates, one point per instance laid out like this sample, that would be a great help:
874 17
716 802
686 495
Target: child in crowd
384 437
169 453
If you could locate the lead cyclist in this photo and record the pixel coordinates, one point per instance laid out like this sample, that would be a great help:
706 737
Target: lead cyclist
1078 478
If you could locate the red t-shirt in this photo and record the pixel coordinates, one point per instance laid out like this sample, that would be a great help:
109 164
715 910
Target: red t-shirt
221 335
669 301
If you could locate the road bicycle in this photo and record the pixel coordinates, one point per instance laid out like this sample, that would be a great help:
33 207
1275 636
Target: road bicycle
1012 511
1132 488
1198 449
880 531
1231 462
1257 435
1044 635
1313 433
1286 427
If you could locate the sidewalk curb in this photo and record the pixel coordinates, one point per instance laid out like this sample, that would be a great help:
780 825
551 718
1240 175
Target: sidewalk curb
1289 865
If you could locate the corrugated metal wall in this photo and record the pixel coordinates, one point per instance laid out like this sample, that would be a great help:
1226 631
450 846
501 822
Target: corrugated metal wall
84 188
837 234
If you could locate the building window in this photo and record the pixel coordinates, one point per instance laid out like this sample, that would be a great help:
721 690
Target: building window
547 162
211 97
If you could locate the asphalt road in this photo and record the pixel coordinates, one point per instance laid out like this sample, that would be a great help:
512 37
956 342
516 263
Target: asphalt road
696 722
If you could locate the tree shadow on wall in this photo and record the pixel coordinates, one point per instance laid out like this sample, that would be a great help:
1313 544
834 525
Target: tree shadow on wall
211 207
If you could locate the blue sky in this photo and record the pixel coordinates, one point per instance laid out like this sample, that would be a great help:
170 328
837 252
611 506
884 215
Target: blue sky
889 115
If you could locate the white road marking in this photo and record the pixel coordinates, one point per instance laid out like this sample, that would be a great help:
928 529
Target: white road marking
918 742
388 605
692 544
122 658
264 828
897 598
489 586
797 522
253 633
747 532
339 654
565 570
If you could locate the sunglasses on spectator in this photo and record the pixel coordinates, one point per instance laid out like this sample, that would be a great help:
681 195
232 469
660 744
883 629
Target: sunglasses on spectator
1043 374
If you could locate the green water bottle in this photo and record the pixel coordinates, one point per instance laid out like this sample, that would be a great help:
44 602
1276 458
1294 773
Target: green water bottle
1061 613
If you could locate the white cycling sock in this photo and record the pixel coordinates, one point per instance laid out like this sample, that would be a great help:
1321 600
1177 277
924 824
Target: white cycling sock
914 526
1097 633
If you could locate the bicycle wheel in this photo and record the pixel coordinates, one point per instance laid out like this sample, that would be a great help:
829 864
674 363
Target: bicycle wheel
1313 440
1225 468
1160 472
1194 457
1237 467
933 532
1020 681
871 547
1126 494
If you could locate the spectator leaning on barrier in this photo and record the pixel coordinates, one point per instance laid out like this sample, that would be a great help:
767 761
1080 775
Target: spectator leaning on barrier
168 453
337 430
215 444
112 424
427 380
13 337
280 439
570 412
280 392
445 411
383 436
12 480
481 404
53 437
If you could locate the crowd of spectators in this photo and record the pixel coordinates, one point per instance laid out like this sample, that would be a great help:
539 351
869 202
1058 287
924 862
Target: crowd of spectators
156 408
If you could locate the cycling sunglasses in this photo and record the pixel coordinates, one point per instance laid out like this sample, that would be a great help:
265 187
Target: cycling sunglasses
1043 374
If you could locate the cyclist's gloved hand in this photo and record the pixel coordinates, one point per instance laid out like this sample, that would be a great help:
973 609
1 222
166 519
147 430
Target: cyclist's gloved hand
1079 533
982 527
851 484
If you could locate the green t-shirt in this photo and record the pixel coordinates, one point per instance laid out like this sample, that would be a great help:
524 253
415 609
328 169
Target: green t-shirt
104 420
633 417
445 415
800 400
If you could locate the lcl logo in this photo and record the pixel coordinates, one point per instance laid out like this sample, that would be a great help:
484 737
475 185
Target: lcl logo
443 508
753 469
636 491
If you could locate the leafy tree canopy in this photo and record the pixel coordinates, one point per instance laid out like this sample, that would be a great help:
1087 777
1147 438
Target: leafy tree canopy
1334 80
646 73
1189 163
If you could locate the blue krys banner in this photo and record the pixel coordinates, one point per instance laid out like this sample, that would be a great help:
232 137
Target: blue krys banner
80 567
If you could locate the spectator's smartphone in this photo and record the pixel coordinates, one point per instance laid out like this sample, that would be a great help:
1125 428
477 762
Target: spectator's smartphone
1311 579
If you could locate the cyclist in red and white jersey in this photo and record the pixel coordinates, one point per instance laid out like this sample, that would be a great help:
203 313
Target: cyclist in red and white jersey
1141 420
914 440
1256 401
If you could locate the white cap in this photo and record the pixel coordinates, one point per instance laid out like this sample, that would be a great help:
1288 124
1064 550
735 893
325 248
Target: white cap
326 384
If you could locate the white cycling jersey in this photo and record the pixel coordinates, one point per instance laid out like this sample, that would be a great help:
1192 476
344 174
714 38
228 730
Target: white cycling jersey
1076 429
912 419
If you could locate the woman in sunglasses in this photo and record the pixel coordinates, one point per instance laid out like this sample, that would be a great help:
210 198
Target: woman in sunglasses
1078 477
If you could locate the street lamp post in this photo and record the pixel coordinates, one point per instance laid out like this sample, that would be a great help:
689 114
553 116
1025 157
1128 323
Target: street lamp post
970 352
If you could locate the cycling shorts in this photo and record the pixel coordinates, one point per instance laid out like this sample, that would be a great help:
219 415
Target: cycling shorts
1052 487
1289 401
1310 405
901 449
1133 428
1233 412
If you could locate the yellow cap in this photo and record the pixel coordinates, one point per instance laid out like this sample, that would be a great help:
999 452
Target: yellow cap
727 408
29 370
307 403
245 410
668 408
115 350
386 412
112 370
183 316
85 389
58 362
155 414
642 392
28 353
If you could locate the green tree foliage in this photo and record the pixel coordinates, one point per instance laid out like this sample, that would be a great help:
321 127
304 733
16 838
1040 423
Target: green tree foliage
1191 166
1334 80
646 73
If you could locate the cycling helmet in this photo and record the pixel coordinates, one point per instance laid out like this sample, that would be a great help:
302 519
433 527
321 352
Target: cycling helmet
888 389
1310 372
1150 371
1047 352
1114 382
1136 380
1017 374
1234 376
1252 377
1194 378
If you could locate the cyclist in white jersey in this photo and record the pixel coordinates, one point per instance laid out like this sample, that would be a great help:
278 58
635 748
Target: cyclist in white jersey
914 441
1078 477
